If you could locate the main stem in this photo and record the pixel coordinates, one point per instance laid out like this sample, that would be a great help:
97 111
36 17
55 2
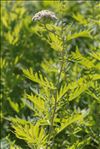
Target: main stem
59 76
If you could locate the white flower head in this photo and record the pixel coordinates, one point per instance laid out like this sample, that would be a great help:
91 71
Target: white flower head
44 14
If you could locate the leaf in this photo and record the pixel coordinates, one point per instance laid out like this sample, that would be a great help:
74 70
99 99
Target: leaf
67 122
15 147
31 134
37 101
76 88
38 78
3 63
62 91
93 95
19 121
53 27
82 60
9 37
82 34
95 55
4 144
28 103
80 145
14 105
77 91
95 77
55 42
49 66
80 18
39 30
16 60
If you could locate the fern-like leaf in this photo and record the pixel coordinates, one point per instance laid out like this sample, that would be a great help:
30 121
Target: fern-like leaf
55 42
38 78
31 134
37 101
66 122
85 34
80 18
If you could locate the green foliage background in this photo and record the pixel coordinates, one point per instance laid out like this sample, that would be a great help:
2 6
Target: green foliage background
28 49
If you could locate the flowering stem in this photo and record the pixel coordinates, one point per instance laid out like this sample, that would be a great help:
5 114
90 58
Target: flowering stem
51 130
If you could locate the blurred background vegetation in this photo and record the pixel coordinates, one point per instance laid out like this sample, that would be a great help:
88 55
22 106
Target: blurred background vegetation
21 47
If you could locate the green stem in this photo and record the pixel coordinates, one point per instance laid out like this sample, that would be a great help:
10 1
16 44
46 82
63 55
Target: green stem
58 82
51 129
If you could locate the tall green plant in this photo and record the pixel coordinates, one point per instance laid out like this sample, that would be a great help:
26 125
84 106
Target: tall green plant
61 91
55 91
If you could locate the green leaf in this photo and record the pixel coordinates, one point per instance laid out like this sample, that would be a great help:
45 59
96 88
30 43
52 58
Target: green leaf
67 122
83 60
3 63
55 42
82 34
76 88
62 91
31 134
93 95
49 66
38 78
27 103
14 105
80 18
79 90
95 55
80 145
37 101
95 77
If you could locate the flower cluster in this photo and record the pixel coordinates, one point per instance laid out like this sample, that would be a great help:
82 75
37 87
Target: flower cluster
44 14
